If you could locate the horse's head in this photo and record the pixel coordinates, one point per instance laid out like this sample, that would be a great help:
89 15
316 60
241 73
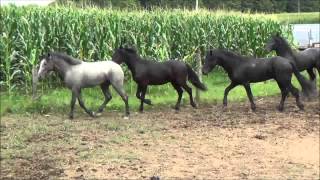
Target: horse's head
46 65
274 43
123 54
209 63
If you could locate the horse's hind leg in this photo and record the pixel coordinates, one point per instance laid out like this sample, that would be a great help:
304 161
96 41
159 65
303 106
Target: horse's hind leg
81 103
118 86
284 94
179 91
73 102
250 96
107 95
311 74
295 92
189 91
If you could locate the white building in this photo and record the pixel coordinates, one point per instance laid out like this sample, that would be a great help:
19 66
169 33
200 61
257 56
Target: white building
26 2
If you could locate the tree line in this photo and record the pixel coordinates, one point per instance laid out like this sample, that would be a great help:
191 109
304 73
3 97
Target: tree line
268 6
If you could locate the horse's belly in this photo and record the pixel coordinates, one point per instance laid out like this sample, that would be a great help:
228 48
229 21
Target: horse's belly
158 83
259 77
93 80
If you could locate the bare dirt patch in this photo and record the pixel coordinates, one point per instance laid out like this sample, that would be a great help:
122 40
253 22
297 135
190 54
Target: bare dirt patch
209 142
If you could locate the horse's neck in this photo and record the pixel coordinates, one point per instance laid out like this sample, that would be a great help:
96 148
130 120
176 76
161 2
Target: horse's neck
228 63
132 63
61 67
285 51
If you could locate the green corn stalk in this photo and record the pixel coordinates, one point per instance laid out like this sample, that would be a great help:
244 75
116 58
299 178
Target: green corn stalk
93 34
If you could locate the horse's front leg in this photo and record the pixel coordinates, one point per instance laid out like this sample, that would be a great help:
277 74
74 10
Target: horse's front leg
143 93
250 96
81 103
138 95
107 96
73 102
226 92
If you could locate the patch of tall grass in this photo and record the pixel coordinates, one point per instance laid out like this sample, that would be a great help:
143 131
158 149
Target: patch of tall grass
93 34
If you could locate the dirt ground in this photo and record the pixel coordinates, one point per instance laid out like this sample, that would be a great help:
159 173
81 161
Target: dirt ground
205 143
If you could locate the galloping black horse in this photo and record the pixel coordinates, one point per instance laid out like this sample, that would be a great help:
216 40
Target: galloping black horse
305 60
146 72
245 70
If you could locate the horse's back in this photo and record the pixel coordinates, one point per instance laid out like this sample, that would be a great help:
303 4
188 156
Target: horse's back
167 66
156 73
175 64
113 71
98 72
311 52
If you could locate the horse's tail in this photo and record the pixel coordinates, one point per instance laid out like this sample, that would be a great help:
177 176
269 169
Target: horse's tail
194 79
305 84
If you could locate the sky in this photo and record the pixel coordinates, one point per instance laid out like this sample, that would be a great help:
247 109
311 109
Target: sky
26 2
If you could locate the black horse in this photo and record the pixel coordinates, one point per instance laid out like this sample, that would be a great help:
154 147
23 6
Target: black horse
147 72
304 60
245 70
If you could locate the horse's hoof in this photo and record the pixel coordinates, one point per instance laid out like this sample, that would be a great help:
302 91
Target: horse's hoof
155 178
280 108
194 105
97 114
148 101
301 107
224 108
177 108
92 114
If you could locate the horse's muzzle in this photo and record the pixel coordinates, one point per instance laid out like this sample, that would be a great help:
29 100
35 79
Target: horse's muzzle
205 71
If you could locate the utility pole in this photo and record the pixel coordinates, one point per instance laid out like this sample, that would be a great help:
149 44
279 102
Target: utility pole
197 4
299 6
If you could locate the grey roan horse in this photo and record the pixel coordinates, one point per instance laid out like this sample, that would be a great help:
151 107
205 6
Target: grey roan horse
77 74
245 70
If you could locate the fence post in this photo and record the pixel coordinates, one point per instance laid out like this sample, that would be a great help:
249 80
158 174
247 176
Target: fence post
199 72
34 82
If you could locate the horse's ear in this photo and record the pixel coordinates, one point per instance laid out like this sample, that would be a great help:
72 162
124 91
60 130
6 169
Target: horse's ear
278 34
210 52
48 56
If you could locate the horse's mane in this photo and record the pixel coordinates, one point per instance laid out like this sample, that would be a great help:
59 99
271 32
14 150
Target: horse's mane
282 40
133 52
68 59
130 50
230 54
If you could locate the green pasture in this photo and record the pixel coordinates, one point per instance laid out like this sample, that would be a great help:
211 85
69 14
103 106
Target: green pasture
298 18
57 100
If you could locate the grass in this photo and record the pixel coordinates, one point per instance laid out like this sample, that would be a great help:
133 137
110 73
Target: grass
58 100
299 18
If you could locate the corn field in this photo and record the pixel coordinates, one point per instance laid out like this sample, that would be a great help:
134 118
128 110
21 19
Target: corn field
93 34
